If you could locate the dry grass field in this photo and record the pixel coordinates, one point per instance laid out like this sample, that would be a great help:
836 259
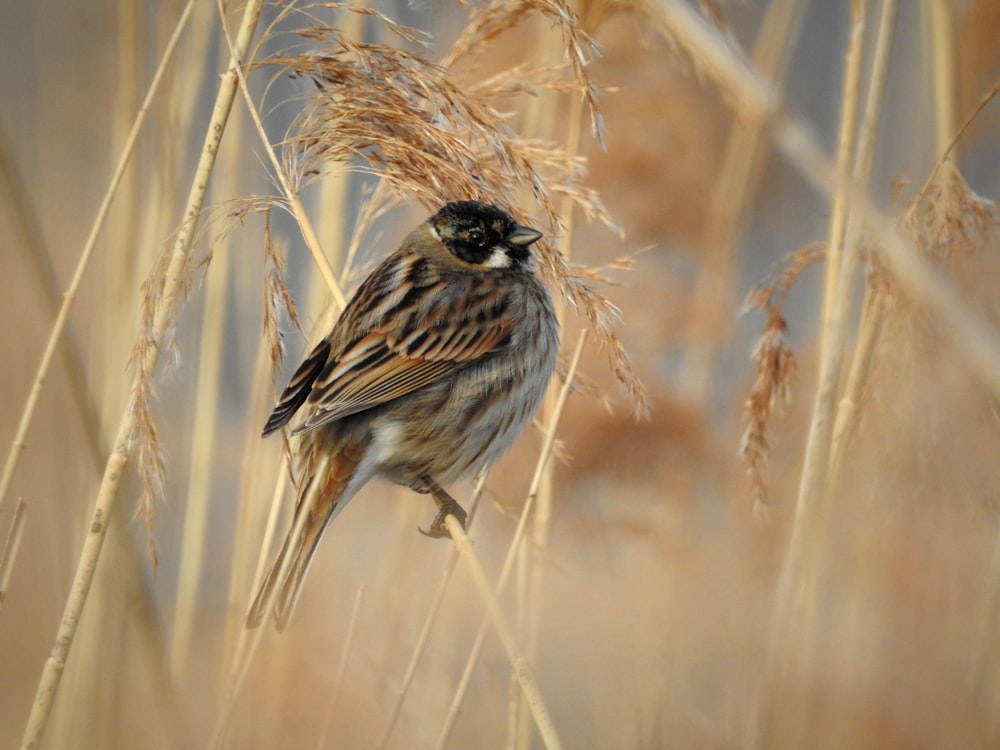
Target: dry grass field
760 508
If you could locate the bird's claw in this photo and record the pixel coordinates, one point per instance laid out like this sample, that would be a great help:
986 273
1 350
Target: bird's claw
439 529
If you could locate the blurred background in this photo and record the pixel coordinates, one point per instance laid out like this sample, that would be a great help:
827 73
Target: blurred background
649 595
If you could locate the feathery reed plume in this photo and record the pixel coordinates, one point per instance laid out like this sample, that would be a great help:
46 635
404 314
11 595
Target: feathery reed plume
775 365
278 302
499 16
156 305
948 221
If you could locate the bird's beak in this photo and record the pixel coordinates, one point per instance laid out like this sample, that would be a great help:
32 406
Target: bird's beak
523 236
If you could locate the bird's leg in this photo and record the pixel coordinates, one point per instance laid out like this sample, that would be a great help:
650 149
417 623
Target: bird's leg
447 506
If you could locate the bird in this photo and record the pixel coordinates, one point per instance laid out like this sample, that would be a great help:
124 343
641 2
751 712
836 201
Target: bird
436 365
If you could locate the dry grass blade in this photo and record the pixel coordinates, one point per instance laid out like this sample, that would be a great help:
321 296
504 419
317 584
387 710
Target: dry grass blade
530 599
11 545
208 444
847 134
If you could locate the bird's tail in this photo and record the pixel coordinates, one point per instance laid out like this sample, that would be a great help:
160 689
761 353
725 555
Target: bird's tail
322 498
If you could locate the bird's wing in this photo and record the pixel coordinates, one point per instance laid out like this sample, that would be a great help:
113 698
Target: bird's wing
407 348
297 391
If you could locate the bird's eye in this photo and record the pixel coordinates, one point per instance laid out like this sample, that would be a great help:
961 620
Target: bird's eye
477 236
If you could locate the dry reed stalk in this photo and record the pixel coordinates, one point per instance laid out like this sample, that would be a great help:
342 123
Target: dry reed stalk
516 710
795 607
425 630
13 194
146 361
946 157
204 440
516 544
939 32
741 165
814 484
331 207
847 131
122 610
971 337
11 545
66 730
535 557
869 332
122 272
69 296
518 663
162 199
870 323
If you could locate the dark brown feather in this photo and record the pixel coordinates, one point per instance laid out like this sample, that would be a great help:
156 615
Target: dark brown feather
297 391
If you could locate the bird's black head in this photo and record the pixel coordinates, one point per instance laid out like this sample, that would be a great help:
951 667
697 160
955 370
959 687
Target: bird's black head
483 235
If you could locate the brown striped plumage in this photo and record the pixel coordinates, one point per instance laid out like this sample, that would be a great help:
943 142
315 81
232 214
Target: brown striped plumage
433 369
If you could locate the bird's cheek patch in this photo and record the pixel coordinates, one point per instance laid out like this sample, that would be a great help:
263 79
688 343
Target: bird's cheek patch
498 259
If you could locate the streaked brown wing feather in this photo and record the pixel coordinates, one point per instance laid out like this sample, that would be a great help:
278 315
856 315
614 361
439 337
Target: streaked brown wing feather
297 391
408 349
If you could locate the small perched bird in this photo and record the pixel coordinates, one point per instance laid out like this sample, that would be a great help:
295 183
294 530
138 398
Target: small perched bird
433 369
